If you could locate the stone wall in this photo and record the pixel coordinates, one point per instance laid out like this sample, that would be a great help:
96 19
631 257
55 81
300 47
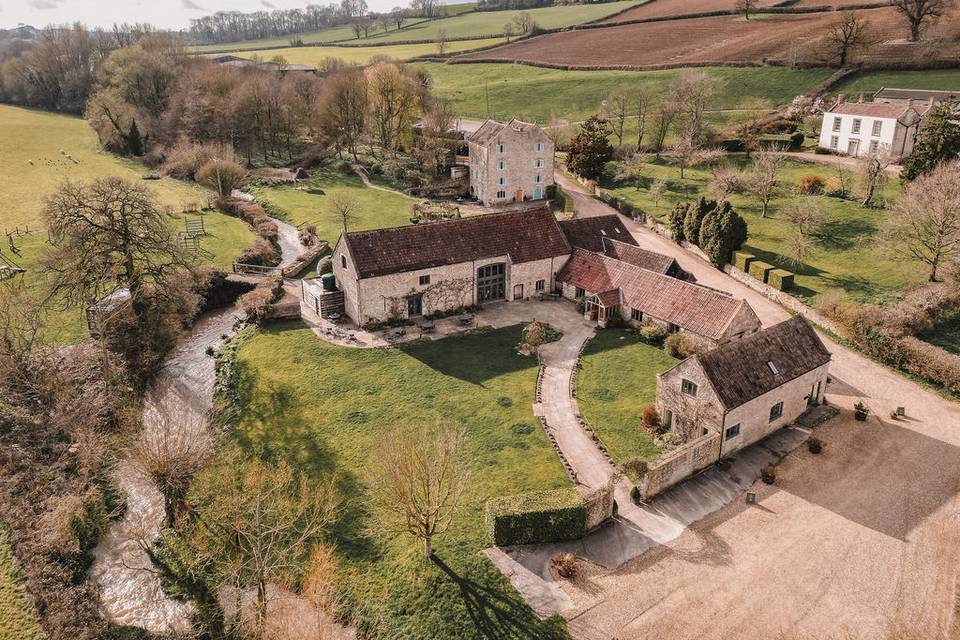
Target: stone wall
519 171
682 462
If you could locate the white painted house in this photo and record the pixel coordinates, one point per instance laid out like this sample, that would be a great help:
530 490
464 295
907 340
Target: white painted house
860 129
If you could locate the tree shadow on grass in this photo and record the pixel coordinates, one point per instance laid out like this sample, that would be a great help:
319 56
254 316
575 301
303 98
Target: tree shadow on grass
474 358
496 616
844 234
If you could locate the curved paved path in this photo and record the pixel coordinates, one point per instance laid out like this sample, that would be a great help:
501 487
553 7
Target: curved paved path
182 392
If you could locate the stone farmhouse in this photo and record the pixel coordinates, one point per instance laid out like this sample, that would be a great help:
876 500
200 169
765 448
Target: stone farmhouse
509 162
609 287
745 390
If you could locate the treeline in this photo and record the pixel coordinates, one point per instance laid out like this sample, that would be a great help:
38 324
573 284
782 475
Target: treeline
502 5
232 26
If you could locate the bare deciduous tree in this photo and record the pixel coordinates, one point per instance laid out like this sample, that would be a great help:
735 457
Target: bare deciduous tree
691 154
641 107
920 13
724 181
508 31
663 121
657 189
764 182
632 170
924 225
615 109
805 214
798 247
847 34
873 173
416 480
524 22
442 42
745 7
343 208
690 94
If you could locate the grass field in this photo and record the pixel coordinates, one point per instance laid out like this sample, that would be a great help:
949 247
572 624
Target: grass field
39 136
322 408
313 56
17 618
508 88
868 82
375 208
617 379
845 256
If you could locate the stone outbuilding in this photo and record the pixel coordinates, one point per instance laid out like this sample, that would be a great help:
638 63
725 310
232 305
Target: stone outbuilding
610 287
748 389
411 271
509 162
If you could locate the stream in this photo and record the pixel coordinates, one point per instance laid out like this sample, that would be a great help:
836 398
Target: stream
180 397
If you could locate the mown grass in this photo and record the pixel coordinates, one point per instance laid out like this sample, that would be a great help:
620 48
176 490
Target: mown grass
323 408
39 136
502 91
846 254
869 82
617 379
375 208
313 56
18 621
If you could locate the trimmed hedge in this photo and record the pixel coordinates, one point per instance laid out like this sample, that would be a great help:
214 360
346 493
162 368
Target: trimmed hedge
539 516
760 270
780 279
742 260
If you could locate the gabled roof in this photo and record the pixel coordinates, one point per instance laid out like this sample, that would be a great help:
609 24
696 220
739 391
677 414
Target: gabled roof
489 130
759 363
892 110
526 235
703 311
590 233
649 260
920 95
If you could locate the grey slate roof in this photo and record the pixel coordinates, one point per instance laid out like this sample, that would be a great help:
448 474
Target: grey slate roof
920 95
739 371
590 233
489 130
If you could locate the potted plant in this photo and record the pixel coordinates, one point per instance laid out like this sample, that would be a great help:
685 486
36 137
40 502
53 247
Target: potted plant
815 445
860 411
768 474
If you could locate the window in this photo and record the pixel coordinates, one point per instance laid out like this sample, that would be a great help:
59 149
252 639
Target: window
501 165
834 142
491 282
877 127
539 286
636 314
502 148
424 280
501 194
579 293
856 126
773 368
538 179
539 146
537 163
343 261
688 387
836 123
732 432
668 422
776 411
537 193
501 181
874 145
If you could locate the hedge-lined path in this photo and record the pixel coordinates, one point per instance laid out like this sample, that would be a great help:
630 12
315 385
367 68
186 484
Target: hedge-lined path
130 592
863 538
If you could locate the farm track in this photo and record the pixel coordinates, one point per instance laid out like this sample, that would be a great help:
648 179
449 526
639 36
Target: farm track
129 587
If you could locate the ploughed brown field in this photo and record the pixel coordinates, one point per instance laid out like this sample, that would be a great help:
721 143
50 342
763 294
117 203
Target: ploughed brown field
725 39
661 8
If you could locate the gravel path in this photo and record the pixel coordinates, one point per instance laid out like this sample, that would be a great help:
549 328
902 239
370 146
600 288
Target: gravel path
182 392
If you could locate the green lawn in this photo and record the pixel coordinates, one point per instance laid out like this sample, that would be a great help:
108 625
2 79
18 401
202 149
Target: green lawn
845 256
375 208
39 136
18 621
322 408
868 82
617 379
362 55
534 93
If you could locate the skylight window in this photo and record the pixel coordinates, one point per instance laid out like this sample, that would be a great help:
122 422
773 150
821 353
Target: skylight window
773 368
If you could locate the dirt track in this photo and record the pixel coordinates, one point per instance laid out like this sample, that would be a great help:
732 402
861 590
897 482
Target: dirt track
719 39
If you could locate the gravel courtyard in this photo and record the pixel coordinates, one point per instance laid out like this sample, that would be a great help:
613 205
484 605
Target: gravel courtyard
853 543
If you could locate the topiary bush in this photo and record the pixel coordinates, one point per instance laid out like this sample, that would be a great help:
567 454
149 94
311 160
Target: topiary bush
780 279
815 445
768 474
760 270
861 411
539 516
742 260
653 333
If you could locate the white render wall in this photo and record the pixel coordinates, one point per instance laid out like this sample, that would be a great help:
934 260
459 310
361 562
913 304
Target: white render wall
520 170
895 138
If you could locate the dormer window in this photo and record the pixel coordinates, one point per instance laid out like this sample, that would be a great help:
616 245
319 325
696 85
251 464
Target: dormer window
773 368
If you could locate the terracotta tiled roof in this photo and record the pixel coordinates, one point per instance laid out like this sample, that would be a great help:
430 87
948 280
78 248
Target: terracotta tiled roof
876 109
741 371
649 260
527 235
589 233
703 311
609 298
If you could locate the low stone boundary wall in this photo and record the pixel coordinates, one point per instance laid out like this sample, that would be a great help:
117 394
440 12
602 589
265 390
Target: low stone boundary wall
679 464
784 299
